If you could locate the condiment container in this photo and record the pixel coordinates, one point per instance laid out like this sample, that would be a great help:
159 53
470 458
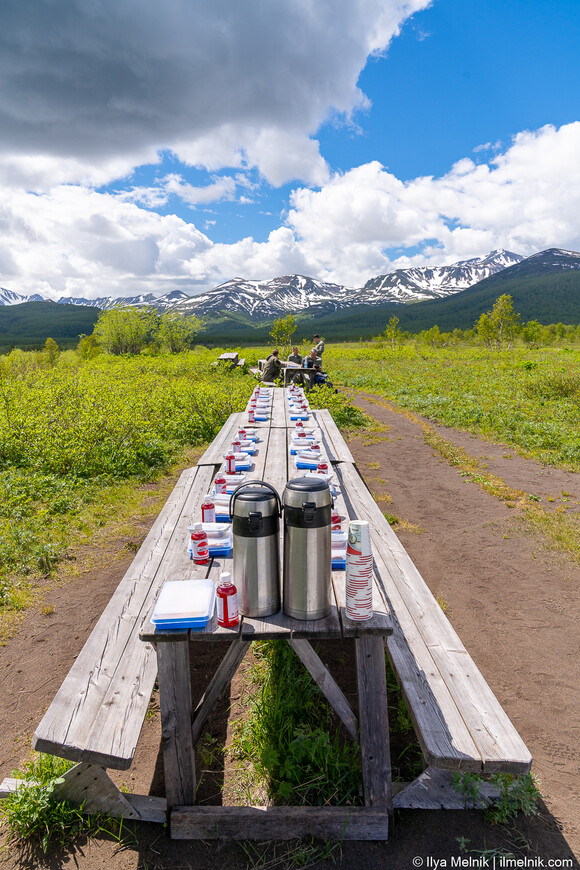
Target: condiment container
227 601
199 545
208 510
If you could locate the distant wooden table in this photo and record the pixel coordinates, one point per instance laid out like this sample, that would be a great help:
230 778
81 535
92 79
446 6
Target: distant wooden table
181 725
291 370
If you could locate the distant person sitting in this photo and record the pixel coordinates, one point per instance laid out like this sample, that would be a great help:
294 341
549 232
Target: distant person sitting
295 357
273 367
311 359
318 345
313 362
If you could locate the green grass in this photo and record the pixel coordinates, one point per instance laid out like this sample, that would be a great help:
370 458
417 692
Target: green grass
35 817
73 434
497 394
290 738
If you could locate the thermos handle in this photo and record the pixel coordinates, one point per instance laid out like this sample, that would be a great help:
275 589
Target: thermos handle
254 483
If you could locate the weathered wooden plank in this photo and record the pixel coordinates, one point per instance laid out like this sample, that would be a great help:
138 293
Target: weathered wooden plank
442 733
327 684
279 408
373 721
176 564
150 808
177 741
67 727
213 454
279 823
433 790
88 784
145 808
222 678
332 436
498 744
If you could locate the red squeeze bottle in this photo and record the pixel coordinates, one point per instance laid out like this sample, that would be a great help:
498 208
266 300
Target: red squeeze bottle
220 483
251 415
230 463
199 547
322 467
227 602
208 510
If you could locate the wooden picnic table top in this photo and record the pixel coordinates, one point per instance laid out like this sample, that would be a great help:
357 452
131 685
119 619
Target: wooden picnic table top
272 463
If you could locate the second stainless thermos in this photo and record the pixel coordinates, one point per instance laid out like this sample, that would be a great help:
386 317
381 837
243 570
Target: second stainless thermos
307 504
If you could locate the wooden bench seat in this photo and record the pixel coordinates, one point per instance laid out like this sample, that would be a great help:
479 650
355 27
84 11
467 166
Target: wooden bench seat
97 714
459 722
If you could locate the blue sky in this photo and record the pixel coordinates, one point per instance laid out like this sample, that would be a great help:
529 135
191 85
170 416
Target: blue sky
148 146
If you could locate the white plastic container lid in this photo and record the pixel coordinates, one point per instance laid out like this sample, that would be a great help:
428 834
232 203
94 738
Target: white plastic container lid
185 599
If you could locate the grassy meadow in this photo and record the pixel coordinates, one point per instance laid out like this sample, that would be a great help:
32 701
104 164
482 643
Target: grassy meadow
77 436
72 434
528 399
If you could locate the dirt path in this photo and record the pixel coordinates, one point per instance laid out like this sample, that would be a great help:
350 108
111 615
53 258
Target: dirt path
515 605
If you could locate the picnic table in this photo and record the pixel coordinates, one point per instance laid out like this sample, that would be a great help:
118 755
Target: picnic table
273 463
96 717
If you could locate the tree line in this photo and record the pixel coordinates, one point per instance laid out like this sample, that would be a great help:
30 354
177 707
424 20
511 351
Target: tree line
499 327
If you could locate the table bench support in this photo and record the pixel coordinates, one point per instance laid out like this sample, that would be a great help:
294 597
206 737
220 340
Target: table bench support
279 823
222 678
374 721
327 684
175 705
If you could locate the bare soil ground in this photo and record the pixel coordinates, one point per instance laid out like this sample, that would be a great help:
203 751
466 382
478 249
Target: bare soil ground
514 602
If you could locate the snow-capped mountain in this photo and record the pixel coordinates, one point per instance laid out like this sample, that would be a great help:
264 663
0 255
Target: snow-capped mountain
415 285
8 297
290 294
262 300
168 300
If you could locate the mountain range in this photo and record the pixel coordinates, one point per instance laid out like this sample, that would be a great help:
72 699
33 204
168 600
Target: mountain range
292 294
544 287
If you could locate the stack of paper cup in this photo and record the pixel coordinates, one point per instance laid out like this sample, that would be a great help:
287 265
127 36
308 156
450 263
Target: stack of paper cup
359 571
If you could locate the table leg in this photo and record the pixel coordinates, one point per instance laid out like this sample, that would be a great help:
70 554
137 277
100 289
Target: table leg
175 704
374 721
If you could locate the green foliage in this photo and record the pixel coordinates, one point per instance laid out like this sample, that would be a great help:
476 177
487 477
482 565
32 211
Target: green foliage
36 817
176 332
282 331
125 330
68 431
517 794
489 392
392 332
51 350
468 785
33 814
286 736
500 324
88 347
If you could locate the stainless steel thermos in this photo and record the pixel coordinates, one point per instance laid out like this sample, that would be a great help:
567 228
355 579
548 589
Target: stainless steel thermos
255 511
307 504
